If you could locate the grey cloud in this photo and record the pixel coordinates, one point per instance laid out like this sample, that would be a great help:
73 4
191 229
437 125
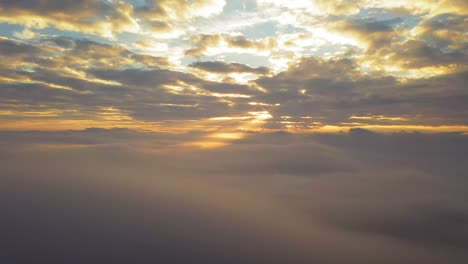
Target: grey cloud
60 41
143 78
10 48
372 25
417 53
151 61
447 20
204 41
34 93
244 42
223 67
229 88
445 31
52 5
160 26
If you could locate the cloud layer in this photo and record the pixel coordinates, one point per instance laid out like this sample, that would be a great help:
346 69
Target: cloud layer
86 196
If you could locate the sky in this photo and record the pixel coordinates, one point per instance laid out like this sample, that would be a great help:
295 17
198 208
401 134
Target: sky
237 131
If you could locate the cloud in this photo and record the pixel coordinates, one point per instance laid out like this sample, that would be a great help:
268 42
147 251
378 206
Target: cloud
223 67
444 31
215 44
330 91
376 34
435 43
315 205
419 54
342 68
370 25
86 77
98 17
26 34
105 18
180 9
11 49
177 131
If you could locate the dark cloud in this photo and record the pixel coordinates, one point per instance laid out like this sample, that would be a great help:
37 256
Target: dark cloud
53 6
445 31
419 54
10 48
372 25
245 43
144 78
375 34
223 67
203 42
